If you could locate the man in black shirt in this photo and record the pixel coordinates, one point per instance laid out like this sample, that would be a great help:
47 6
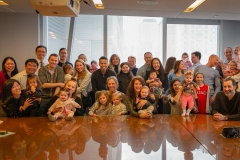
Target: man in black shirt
63 57
227 103
99 77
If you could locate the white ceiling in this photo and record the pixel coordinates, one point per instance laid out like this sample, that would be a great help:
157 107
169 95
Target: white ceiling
224 9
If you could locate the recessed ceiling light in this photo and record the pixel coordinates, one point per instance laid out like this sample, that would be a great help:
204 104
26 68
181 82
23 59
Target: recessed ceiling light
2 3
216 16
194 5
147 2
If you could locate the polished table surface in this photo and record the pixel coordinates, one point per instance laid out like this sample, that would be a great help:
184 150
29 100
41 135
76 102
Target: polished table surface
118 138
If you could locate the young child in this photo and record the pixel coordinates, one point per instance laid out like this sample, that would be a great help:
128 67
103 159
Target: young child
118 108
94 66
186 61
102 106
145 95
232 69
64 107
67 68
155 84
33 92
237 56
202 94
187 94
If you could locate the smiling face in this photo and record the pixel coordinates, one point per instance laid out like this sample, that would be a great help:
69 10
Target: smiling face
188 78
115 61
79 67
176 86
132 62
53 61
103 64
63 96
71 86
232 65
9 65
199 78
156 64
148 58
137 85
16 89
112 85
102 99
144 92
125 68
228 88
41 53
31 67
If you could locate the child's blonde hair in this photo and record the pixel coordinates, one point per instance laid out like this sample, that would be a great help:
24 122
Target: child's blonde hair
117 94
107 103
234 62
33 76
188 73
145 87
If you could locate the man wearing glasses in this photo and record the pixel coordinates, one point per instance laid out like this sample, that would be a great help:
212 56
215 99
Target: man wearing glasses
41 52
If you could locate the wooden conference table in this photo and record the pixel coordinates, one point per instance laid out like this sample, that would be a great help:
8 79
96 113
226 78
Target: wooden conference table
118 138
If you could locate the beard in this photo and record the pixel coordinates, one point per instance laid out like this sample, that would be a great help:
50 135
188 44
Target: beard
229 93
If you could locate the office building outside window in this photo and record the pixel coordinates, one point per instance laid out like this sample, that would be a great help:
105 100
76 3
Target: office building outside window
189 38
134 36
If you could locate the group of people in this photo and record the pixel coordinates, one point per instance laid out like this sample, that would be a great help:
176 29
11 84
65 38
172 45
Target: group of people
59 89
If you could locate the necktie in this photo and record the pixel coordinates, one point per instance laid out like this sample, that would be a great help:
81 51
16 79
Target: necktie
41 64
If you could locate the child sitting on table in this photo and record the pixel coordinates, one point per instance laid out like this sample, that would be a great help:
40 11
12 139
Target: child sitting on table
64 107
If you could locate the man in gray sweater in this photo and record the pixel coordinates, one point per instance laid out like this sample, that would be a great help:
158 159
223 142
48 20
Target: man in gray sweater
211 76
227 103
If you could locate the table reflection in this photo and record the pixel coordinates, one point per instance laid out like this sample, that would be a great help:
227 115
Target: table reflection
207 132
122 137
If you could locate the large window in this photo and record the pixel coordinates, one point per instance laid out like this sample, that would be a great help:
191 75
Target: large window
58 30
189 38
88 37
134 36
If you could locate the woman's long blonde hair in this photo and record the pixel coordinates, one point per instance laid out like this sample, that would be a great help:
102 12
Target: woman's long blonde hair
111 66
83 73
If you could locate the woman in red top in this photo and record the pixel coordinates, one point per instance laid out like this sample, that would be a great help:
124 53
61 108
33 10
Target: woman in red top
203 94
9 69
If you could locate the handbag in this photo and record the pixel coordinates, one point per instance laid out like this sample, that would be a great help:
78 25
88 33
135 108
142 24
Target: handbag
87 101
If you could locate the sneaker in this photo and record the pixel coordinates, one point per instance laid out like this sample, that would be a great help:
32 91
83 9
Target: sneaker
69 118
51 118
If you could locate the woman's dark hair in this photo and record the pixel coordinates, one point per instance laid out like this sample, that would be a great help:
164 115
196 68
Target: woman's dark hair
160 71
129 72
169 64
171 90
7 90
14 72
176 66
130 90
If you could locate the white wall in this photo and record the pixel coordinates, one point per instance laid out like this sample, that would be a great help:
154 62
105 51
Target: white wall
229 35
18 36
